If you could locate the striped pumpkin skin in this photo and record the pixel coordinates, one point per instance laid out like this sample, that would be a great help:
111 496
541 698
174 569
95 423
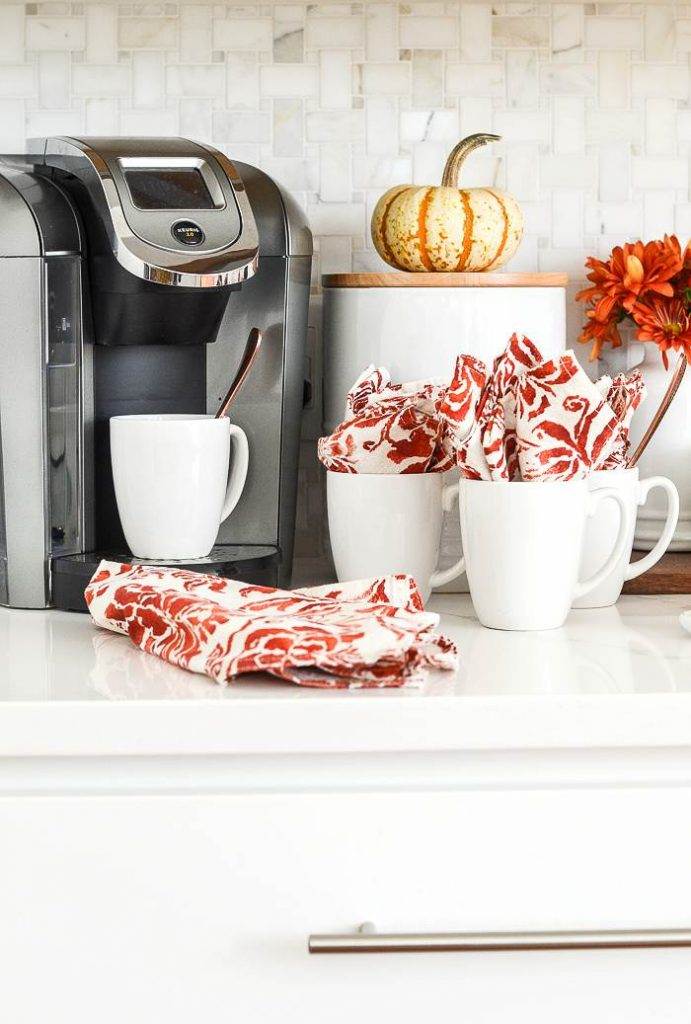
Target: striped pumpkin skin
446 229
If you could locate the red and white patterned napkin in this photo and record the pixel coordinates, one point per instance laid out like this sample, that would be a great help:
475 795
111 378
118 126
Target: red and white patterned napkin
546 420
623 393
415 427
370 633
533 418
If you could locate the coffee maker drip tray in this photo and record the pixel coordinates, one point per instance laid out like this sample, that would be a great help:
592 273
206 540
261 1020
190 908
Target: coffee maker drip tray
251 563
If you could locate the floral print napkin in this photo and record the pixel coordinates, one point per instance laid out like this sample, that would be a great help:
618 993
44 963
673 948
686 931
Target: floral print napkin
530 418
624 394
540 419
370 633
415 427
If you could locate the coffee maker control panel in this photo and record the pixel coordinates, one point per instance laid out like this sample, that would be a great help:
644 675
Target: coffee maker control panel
174 212
177 203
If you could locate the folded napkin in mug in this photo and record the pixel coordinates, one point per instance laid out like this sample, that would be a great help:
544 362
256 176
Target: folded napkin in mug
496 411
623 393
415 427
370 633
543 419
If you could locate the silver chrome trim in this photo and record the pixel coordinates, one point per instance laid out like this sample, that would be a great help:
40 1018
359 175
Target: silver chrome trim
366 940
219 267
23 430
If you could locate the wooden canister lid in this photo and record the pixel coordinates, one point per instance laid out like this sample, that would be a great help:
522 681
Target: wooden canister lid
408 280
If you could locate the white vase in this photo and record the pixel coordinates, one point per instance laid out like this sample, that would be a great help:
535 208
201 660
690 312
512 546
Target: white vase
668 454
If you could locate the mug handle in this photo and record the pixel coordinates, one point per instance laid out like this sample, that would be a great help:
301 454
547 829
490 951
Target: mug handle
238 474
441 576
594 499
635 569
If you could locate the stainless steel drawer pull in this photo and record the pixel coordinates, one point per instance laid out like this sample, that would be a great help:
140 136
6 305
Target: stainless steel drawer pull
366 940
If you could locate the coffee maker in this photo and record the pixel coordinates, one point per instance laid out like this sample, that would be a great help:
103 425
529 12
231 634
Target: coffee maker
131 272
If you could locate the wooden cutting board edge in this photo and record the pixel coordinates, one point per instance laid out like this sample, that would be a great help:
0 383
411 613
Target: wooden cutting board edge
671 575
403 280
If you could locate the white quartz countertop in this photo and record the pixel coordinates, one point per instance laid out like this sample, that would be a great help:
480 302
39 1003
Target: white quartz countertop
616 677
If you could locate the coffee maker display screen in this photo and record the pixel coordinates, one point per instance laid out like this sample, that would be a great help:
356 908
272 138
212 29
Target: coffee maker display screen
168 188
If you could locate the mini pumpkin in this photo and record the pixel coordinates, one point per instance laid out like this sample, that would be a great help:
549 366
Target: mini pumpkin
447 228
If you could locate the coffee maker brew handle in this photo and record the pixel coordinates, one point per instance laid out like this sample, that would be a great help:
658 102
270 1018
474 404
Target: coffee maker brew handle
240 451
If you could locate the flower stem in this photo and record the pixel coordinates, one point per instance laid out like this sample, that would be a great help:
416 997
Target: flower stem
669 394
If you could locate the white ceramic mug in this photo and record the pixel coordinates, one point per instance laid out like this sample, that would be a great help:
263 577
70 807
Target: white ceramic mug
382 523
602 527
522 546
172 484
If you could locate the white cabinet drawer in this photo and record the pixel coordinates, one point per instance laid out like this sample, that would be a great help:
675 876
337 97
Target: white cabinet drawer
139 910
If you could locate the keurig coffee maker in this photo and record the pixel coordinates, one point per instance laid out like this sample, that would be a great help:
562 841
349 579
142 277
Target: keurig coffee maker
131 272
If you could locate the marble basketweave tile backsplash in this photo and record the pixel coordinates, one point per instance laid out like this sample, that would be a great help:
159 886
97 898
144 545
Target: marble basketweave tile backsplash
339 101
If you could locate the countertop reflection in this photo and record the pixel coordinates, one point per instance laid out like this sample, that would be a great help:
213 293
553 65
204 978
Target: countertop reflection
636 646
620 666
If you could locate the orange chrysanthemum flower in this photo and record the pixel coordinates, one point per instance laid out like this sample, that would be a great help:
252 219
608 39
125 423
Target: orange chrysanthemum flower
600 330
683 280
667 323
632 271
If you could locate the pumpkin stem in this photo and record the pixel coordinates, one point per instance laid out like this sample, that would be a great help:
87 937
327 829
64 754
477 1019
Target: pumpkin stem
458 154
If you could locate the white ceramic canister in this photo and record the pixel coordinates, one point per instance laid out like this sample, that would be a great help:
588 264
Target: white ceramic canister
416 324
